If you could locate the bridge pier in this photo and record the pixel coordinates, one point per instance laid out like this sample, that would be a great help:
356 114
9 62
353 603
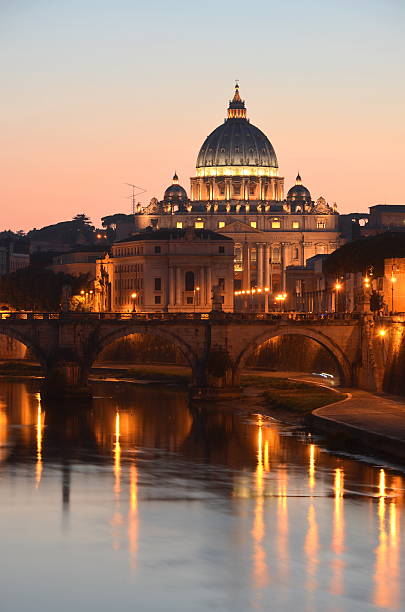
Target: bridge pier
65 379
215 377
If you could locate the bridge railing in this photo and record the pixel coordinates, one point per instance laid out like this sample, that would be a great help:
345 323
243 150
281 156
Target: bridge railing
181 316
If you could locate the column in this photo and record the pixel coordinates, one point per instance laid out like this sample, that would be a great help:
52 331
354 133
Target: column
178 286
282 245
227 189
208 288
266 265
171 286
260 264
200 295
246 266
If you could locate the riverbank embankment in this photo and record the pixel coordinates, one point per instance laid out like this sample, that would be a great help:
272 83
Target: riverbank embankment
372 421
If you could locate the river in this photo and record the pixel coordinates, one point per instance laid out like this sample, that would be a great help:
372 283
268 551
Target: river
145 503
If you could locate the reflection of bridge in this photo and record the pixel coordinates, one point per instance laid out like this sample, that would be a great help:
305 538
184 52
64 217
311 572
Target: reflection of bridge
216 345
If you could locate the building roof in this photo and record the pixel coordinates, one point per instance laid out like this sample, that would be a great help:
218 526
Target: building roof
399 208
175 234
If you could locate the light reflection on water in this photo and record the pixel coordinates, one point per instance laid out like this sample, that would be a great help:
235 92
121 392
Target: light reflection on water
172 507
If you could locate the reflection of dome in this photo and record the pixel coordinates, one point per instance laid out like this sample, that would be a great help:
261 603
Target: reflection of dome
237 142
299 193
175 193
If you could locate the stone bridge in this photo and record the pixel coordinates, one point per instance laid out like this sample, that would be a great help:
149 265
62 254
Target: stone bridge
216 345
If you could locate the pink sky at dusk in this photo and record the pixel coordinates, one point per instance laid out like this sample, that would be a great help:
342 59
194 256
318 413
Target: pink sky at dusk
98 95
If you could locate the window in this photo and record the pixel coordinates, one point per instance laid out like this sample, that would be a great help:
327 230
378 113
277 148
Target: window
296 224
190 300
158 284
199 224
221 224
295 253
189 281
275 255
157 249
158 299
221 249
253 224
320 224
276 224
179 224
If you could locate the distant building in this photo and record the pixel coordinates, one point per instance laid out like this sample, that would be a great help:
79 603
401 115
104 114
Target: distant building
380 219
79 261
167 270
307 287
13 257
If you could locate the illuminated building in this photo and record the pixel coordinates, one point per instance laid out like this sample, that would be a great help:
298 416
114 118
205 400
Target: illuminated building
238 192
167 270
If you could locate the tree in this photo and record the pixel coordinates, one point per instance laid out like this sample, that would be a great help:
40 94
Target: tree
36 288
366 253
82 218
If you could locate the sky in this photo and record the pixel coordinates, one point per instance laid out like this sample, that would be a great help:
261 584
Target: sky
96 94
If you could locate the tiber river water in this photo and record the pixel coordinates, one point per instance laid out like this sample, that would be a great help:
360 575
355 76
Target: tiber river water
145 503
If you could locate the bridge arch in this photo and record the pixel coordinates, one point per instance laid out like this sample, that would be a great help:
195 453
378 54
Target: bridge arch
15 334
343 364
100 342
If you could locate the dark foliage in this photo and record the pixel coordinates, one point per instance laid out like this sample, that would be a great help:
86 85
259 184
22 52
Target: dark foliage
36 288
370 252
77 231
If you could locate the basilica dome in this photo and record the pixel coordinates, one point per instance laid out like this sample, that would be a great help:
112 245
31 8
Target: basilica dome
299 193
237 147
175 193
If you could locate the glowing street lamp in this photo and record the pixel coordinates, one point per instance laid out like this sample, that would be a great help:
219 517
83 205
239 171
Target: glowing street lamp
382 332
393 281
338 287
134 295
196 290
280 298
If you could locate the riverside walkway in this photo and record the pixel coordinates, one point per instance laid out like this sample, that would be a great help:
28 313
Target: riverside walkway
377 421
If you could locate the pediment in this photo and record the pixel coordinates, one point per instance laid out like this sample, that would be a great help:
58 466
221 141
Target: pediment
238 227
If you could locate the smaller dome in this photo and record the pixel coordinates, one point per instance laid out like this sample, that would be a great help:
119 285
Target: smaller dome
175 193
298 192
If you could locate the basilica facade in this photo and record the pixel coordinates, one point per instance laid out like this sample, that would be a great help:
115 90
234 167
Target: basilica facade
237 191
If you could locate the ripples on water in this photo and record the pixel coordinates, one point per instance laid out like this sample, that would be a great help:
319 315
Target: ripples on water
145 503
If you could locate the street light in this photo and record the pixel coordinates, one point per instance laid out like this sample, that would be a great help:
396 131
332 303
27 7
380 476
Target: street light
134 295
393 281
338 287
280 298
196 290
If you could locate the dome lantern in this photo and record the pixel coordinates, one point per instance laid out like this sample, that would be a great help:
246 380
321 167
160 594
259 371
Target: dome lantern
236 108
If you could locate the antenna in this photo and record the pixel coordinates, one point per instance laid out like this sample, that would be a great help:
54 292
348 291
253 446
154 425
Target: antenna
133 195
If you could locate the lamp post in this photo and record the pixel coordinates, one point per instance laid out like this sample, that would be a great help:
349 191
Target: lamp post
134 295
266 299
393 281
382 333
280 298
196 293
338 287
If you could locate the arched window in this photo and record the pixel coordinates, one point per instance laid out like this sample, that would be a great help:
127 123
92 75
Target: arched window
275 255
189 281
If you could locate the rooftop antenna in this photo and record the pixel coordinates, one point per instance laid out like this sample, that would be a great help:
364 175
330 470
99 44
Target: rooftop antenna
134 195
